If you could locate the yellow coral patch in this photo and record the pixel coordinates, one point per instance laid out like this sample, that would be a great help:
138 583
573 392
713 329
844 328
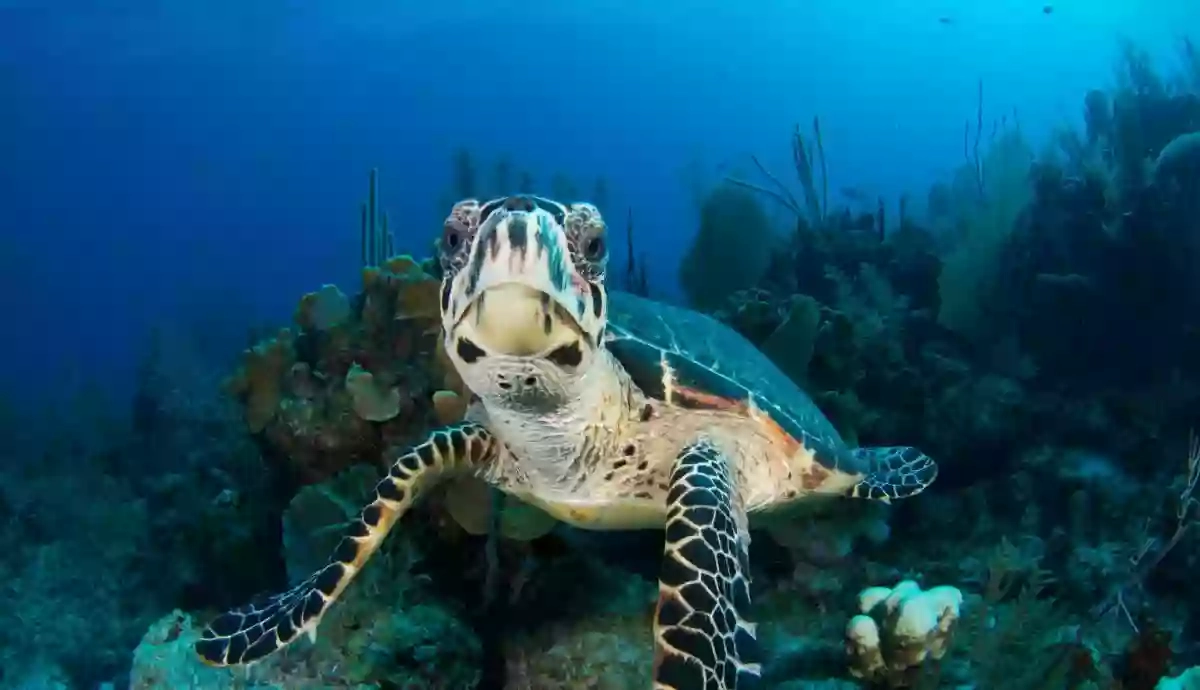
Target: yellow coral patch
403 265
449 407
371 401
419 300
260 381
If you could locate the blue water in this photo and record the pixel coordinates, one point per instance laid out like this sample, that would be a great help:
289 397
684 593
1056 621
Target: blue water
174 175
160 158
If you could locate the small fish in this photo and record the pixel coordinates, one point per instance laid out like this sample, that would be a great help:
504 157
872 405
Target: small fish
1047 9
948 21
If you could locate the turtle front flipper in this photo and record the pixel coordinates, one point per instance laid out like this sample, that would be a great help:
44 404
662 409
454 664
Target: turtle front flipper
894 472
701 641
250 633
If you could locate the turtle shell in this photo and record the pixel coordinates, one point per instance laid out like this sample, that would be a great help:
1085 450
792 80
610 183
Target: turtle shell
689 359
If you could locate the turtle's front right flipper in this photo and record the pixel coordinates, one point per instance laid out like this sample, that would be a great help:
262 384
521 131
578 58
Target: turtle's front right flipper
701 640
250 633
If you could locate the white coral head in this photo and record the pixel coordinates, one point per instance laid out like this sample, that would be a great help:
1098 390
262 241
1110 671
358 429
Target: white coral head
902 591
870 597
862 631
862 646
947 602
915 619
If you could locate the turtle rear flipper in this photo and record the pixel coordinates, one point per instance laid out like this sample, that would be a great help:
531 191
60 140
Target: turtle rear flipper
250 633
701 640
895 472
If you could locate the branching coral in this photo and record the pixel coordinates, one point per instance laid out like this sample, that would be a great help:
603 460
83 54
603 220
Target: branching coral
1009 634
377 241
967 282
1150 554
807 158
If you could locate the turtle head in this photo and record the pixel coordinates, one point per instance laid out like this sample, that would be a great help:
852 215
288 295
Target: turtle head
523 300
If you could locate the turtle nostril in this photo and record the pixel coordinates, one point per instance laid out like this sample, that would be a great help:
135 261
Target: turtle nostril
519 203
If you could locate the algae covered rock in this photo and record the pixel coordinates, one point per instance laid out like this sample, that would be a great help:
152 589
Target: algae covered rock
586 623
1178 161
1176 173
594 654
166 659
391 629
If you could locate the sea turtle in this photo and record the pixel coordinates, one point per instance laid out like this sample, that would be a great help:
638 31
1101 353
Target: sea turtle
607 411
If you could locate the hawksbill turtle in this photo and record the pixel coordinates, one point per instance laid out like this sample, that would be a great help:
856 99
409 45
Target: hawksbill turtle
608 412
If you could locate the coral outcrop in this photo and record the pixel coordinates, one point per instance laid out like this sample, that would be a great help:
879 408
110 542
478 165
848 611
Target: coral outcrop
352 377
1012 332
394 628
898 629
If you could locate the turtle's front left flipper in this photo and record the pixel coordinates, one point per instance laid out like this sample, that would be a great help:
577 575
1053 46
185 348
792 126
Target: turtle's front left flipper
702 642
250 633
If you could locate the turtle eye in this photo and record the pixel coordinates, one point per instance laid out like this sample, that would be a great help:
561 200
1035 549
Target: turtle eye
456 237
595 248
452 237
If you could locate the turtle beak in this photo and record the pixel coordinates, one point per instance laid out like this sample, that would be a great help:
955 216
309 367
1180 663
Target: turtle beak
519 293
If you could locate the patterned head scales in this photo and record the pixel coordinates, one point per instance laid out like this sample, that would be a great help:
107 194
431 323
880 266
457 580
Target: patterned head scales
523 278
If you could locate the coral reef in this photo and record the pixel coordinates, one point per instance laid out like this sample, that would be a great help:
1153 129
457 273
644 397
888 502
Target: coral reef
122 517
351 378
417 640
960 332
1019 332
600 640
898 629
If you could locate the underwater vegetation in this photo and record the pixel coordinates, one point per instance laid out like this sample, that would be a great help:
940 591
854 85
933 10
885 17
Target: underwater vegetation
1034 331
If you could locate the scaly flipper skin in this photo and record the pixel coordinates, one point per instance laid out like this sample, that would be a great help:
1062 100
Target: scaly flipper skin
701 641
252 632
896 472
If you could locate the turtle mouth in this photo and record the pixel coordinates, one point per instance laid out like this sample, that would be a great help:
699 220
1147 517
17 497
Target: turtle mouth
520 321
